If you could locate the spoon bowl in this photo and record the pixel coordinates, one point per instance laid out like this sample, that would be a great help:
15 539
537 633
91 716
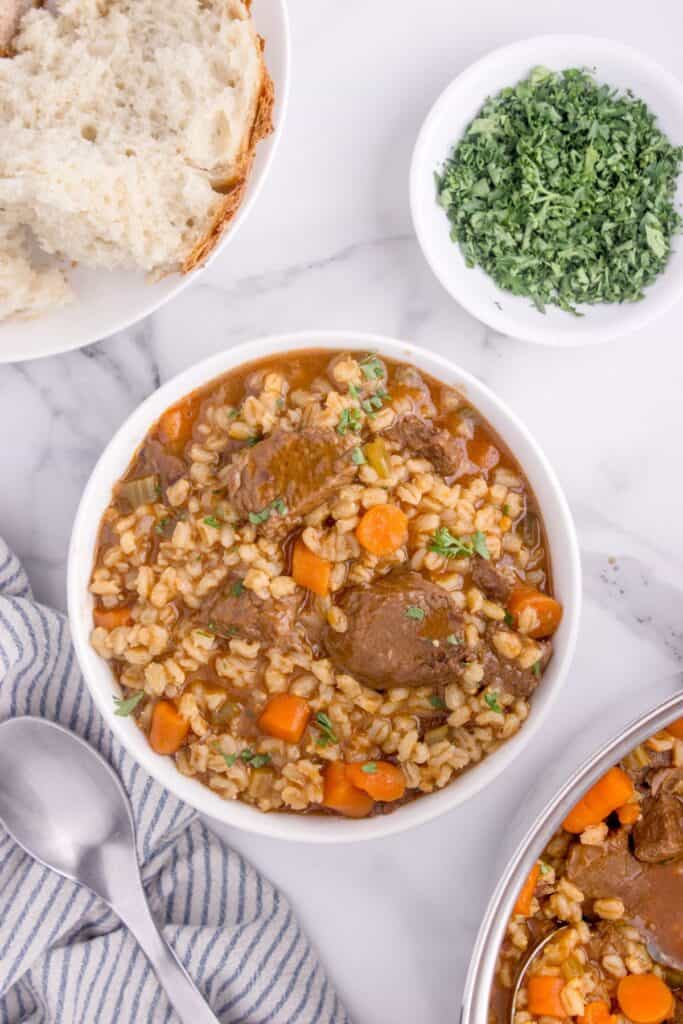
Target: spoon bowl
69 811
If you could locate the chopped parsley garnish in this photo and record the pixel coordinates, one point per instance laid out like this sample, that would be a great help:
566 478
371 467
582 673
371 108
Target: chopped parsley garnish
212 521
327 733
563 190
437 702
246 755
237 588
444 543
225 632
258 760
371 368
492 701
413 611
263 516
228 758
349 420
162 524
357 457
354 391
544 868
280 403
536 669
254 439
233 414
506 510
126 705
452 639
509 619
370 768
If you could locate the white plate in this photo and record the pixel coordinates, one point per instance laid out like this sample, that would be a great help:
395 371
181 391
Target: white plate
614 64
109 301
562 544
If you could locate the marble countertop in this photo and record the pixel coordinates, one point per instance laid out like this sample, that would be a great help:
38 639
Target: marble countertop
330 244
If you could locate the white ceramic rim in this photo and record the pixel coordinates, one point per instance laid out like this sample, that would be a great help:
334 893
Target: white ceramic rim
482 965
14 353
320 828
640 313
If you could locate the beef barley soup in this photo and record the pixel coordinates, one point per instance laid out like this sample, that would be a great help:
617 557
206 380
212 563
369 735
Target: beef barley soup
612 881
323 585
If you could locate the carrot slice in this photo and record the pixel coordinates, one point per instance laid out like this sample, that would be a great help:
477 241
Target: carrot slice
675 729
543 991
169 729
548 610
597 1012
285 716
382 530
628 814
110 618
379 779
645 998
610 792
310 571
523 904
175 426
340 795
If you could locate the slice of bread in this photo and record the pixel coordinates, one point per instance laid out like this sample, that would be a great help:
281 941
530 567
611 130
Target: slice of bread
27 289
128 128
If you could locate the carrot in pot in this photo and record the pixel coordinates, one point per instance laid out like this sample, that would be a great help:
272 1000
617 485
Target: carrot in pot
543 992
613 790
628 814
309 570
169 729
110 618
548 610
675 729
175 426
340 795
523 904
285 716
382 530
645 998
379 779
597 1012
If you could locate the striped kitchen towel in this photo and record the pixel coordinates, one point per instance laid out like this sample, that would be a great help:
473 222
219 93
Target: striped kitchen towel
64 957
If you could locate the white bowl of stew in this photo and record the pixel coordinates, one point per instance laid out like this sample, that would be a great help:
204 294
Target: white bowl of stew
375 684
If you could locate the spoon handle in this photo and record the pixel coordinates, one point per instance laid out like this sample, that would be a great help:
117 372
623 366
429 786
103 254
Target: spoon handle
183 994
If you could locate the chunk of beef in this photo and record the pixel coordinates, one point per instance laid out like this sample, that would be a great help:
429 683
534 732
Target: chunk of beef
302 469
488 579
604 871
402 631
154 460
658 836
445 452
506 674
410 389
242 613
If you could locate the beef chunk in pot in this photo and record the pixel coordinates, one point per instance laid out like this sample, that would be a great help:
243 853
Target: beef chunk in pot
604 871
402 631
302 469
505 674
445 452
241 613
488 579
154 460
658 836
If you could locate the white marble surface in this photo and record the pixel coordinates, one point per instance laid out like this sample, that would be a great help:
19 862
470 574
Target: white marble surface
330 244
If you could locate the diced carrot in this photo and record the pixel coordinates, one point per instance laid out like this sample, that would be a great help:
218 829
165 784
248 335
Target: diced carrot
169 728
628 814
613 790
523 904
675 729
110 618
175 426
543 991
379 779
382 530
548 610
340 795
645 998
309 570
482 453
285 716
597 1012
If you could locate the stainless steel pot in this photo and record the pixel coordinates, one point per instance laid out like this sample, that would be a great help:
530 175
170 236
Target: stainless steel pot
559 794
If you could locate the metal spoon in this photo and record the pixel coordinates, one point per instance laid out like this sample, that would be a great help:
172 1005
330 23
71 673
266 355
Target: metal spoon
526 964
67 808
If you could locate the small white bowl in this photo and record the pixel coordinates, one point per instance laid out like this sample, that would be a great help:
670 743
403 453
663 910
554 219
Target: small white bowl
614 64
112 464
107 301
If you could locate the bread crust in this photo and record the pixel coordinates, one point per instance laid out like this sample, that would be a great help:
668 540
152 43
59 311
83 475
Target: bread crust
261 128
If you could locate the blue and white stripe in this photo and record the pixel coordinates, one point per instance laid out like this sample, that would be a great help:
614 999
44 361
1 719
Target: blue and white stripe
65 958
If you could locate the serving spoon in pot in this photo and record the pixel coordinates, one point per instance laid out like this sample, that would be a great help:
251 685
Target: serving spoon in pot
68 810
